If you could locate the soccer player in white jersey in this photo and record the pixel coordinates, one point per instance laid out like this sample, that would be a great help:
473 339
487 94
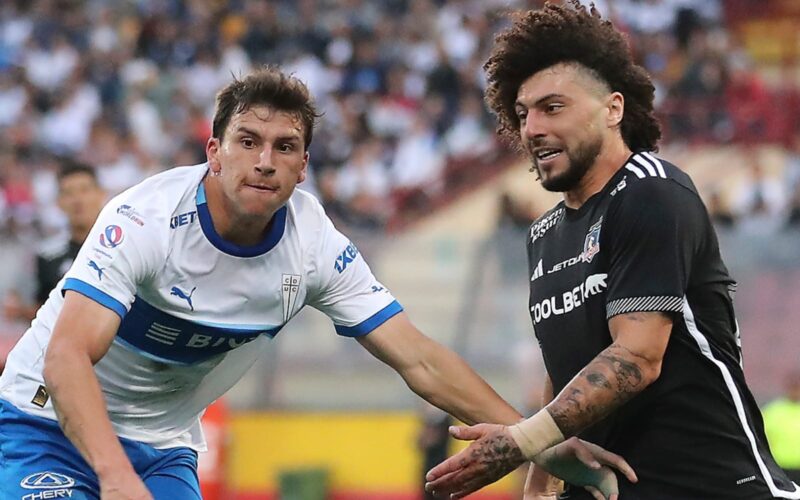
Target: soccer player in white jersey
178 289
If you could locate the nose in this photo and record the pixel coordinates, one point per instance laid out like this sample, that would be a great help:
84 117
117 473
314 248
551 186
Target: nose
264 165
532 128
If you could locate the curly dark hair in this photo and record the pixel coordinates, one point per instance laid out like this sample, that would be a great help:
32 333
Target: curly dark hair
569 34
269 86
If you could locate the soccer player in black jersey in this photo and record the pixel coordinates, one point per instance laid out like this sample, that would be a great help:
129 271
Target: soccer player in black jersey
81 198
630 300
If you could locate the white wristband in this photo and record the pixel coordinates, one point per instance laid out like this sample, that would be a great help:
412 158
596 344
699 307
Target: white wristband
536 434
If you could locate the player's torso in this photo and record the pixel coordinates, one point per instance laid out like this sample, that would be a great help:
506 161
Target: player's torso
205 302
568 280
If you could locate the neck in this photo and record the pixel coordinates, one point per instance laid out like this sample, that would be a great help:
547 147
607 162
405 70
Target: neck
607 163
235 228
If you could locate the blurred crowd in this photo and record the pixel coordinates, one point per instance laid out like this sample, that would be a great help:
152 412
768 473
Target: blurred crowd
129 88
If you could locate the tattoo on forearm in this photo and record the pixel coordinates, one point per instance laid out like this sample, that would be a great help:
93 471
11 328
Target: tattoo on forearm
499 455
607 382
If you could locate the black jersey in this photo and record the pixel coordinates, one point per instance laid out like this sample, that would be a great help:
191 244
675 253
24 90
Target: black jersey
645 243
52 264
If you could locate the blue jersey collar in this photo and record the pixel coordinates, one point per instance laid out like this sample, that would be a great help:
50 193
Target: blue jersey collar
271 238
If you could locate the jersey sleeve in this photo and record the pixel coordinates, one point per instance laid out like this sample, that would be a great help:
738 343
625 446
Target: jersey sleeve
654 232
118 255
345 288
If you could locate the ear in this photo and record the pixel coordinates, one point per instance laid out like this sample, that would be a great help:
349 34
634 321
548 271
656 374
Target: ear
212 154
616 109
301 176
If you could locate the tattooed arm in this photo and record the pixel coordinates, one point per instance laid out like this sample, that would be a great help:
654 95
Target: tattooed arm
613 377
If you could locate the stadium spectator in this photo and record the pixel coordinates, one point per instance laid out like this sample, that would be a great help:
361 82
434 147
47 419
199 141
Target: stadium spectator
721 215
80 198
630 300
175 294
152 66
782 425
761 201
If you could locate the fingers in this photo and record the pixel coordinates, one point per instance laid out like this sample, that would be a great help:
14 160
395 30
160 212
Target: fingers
586 457
595 493
449 466
436 485
463 433
612 459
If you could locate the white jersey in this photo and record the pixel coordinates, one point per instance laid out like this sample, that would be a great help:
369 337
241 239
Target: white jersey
197 310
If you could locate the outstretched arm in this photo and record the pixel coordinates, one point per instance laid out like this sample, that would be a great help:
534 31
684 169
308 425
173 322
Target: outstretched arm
436 373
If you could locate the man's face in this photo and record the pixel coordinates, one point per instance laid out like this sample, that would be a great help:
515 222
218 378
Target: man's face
80 198
562 115
260 160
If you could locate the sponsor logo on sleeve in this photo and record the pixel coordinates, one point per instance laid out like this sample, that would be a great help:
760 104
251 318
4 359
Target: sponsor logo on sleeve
131 213
347 256
112 236
92 264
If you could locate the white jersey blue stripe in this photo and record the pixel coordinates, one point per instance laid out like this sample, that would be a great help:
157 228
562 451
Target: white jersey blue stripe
196 310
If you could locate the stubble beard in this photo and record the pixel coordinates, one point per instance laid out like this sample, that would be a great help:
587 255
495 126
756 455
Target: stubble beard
579 162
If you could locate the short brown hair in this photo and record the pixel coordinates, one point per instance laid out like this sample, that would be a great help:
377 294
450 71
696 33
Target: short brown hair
268 86
569 34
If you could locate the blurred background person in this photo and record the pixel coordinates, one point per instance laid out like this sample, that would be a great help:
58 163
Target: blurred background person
80 198
433 441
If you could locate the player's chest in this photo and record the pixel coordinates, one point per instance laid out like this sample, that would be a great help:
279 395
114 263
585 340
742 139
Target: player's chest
199 279
568 272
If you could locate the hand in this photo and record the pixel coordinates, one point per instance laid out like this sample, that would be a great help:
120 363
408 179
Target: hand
492 455
585 464
126 486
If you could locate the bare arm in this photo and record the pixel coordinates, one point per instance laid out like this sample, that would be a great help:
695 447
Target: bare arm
436 373
625 368
81 337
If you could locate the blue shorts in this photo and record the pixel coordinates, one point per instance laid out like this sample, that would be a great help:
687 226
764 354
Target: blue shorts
38 462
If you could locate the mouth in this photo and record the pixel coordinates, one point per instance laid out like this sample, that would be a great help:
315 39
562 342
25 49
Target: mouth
545 155
263 188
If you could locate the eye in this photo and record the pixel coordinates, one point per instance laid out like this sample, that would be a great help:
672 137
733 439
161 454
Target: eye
248 143
286 147
553 107
522 114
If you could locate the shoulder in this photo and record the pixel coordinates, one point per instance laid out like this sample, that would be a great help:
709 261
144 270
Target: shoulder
648 181
307 213
156 198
